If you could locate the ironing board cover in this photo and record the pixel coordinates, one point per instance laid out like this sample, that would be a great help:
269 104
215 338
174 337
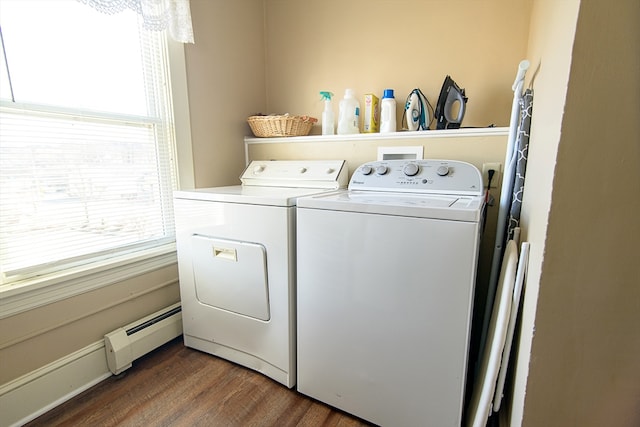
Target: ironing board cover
522 152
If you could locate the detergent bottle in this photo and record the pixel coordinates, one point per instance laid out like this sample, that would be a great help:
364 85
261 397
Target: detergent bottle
328 118
388 112
349 114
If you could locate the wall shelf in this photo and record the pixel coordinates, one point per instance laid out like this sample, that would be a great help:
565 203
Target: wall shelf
474 145
457 133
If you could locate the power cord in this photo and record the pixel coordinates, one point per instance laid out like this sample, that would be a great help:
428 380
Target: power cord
488 198
490 174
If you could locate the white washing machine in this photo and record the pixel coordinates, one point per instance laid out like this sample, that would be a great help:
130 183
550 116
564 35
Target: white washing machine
386 278
236 260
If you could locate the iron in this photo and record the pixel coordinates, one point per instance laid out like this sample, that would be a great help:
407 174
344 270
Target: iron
451 99
418 111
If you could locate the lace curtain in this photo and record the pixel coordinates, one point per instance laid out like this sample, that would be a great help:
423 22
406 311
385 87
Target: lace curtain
157 15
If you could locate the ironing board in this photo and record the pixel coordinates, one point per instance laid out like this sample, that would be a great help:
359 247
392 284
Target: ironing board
515 306
491 358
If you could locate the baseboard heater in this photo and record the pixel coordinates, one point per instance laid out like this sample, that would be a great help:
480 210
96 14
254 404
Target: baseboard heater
128 343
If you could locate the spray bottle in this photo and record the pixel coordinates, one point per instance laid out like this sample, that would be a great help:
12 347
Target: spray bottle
328 118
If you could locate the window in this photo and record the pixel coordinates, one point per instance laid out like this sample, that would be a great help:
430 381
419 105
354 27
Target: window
87 164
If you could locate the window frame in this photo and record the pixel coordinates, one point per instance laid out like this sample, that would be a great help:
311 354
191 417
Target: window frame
18 297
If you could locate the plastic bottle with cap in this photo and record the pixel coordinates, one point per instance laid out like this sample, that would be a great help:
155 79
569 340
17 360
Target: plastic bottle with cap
388 112
328 118
349 114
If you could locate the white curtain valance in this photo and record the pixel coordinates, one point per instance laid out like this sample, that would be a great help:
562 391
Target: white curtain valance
157 15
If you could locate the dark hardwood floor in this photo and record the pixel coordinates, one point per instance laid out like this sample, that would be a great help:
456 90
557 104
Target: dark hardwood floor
178 386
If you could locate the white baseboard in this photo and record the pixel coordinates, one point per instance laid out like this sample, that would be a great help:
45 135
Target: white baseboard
37 392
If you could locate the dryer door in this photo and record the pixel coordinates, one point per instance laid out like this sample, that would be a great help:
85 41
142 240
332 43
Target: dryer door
231 275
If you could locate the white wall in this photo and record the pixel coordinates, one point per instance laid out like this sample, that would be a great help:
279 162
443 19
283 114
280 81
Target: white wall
370 45
551 37
583 366
226 77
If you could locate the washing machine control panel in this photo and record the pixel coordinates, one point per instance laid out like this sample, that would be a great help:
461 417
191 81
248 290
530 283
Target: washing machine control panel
329 174
418 176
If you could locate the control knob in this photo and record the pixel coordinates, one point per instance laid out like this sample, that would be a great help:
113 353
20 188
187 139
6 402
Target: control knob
443 170
411 169
366 170
381 170
302 170
258 169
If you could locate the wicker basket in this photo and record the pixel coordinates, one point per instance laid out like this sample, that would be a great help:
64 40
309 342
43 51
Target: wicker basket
284 125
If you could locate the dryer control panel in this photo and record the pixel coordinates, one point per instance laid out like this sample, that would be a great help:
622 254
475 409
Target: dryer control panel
418 176
329 174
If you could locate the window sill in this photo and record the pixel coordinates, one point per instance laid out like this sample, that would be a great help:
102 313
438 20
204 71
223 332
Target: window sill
29 294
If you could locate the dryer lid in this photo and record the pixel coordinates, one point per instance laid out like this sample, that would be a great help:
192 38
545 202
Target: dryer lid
252 195
276 183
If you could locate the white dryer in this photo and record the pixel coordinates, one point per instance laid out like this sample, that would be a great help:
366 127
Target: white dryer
236 259
386 278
